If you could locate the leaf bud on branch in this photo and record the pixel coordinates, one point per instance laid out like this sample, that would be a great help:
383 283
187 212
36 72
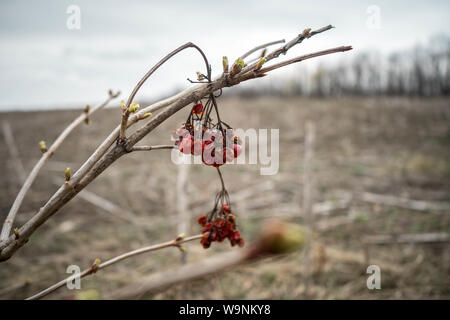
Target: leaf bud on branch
43 146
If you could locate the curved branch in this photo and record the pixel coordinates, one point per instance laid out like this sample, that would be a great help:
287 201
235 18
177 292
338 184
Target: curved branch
123 125
94 268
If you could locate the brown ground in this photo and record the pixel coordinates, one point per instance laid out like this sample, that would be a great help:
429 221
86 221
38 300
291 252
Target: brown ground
392 146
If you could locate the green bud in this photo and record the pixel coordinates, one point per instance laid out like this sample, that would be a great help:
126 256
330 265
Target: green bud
260 63
67 174
134 107
43 146
225 64
237 67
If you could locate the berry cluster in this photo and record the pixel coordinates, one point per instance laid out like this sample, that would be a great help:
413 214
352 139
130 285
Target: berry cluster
215 142
220 228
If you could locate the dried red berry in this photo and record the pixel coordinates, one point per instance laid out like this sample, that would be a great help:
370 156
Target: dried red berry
237 150
198 108
231 219
202 220
226 208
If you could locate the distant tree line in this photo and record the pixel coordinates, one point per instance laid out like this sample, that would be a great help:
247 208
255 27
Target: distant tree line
420 71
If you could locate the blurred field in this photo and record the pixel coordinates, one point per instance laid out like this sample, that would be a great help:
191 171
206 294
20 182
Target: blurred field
389 146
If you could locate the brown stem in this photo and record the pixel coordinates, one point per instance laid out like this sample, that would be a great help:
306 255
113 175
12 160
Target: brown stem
172 243
125 114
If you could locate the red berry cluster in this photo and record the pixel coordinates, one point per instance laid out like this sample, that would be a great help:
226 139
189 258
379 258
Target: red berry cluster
220 228
216 146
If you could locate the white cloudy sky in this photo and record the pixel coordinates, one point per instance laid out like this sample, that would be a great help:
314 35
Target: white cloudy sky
45 65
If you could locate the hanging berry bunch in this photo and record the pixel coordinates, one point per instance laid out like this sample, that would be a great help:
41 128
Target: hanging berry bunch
200 135
217 144
220 224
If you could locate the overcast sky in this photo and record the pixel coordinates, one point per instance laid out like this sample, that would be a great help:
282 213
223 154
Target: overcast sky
43 64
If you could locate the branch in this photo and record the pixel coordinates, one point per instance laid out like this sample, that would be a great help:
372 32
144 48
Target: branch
245 55
276 238
124 122
149 148
417 205
408 238
7 225
95 267
305 57
106 153
306 34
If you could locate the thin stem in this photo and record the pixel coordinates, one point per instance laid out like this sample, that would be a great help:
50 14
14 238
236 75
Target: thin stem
245 55
125 114
149 148
221 179
283 49
126 255
7 225
305 57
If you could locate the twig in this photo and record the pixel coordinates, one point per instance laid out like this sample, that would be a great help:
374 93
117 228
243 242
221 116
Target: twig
417 205
305 57
276 238
12 148
283 49
408 238
163 280
149 148
7 225
106 154
172 243
125 114
245 55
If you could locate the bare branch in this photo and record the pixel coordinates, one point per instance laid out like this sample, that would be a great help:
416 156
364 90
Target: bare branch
7 225
306 34
305 57
276 238
245 55
149 148
123 125
407 238
93 269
